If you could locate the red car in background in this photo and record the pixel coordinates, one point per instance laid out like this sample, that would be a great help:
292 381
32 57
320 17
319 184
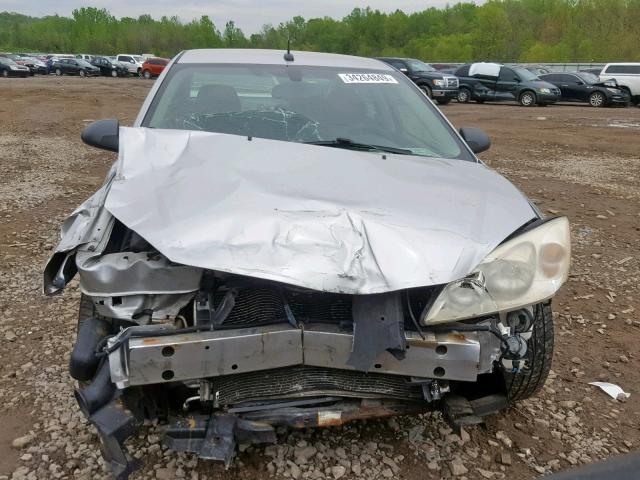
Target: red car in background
152 67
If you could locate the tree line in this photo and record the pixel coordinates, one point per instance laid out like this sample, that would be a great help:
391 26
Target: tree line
498 30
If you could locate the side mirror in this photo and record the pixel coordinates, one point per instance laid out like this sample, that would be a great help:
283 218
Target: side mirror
102 134
579 82
477 139
404 70
517 79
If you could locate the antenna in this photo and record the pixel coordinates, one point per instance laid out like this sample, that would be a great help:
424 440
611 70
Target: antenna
288 57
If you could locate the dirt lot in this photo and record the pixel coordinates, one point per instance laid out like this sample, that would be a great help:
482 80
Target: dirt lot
572 160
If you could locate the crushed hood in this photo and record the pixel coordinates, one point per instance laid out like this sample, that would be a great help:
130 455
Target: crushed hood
317 217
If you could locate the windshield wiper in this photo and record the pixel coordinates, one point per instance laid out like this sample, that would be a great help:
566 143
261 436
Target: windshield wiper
348 143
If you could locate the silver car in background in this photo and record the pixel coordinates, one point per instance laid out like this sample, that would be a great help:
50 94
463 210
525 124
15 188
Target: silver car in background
300 239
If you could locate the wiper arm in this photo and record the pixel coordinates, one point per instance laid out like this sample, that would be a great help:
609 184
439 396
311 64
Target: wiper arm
348 143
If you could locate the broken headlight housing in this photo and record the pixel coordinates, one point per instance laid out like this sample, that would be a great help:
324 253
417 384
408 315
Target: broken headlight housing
524 270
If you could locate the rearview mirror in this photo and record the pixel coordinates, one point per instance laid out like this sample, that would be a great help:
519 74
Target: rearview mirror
102 134
477 139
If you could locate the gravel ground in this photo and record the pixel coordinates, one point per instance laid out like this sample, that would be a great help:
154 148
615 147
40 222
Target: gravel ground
571 160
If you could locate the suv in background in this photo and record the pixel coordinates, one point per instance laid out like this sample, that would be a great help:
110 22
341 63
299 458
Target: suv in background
439 86
132 62
627 75
152 67
493 82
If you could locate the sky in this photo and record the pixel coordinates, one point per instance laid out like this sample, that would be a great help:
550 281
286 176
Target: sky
250 15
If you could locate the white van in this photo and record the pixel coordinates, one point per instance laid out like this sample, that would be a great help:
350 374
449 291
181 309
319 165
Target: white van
627 75
132 62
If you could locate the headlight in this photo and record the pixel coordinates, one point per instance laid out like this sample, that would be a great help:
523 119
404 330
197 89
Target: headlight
544 90
13 67
439 83
522 271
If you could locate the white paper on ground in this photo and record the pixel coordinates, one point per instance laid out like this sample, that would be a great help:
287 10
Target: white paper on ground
611 389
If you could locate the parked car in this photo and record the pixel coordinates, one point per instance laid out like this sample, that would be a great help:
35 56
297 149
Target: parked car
306 247
85 56
586 87
109 68
35 65
493 82
19 60
133 62
627 75
536 69
594 71
9 68
435 84
73 66
152 67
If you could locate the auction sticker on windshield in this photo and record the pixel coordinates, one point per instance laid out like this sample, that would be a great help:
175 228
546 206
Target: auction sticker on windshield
366 78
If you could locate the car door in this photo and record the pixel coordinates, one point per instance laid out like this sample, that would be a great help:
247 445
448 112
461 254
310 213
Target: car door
65 66
574 88
74 67
507 85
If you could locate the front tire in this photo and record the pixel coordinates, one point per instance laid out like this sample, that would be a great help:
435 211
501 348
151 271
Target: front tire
597 99
114 73
5 74
426 90
58 72
464 95
527 99
523 385
146 74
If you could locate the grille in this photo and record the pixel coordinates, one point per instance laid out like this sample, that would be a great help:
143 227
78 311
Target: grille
257 306
304 381
263 306
452 82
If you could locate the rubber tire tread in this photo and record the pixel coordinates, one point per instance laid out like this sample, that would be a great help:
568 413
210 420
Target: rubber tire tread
524 385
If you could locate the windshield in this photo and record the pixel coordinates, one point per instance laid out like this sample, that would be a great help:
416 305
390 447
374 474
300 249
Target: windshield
589 78
304 104
7 61
418 66
525 75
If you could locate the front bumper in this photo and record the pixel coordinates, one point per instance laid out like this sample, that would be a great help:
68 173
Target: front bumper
450 93
181 357
546 98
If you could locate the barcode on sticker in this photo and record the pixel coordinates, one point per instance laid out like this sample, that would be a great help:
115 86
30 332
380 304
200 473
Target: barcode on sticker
366 78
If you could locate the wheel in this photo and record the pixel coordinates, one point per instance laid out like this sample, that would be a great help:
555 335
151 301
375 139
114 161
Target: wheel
527 99
597 99
444 101
464 95
114 73
5 73
540 349
82 73
146 74
426 90
58 72
139 71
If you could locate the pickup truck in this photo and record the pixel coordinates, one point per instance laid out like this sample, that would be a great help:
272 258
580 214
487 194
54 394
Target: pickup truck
627 75
493 82
436 85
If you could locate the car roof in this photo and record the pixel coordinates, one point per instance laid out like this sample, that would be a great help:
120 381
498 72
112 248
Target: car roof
276 57
623 63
